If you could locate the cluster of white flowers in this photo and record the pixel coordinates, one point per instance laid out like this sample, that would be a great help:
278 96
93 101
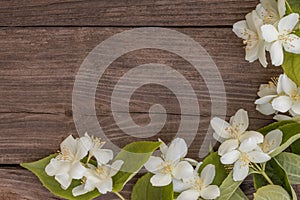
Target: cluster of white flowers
68 165
241 147
280 95
267 28
173 167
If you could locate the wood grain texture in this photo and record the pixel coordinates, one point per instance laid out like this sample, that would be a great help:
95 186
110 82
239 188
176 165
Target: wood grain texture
123 13
39 65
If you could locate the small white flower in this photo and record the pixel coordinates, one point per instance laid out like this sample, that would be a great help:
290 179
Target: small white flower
233 133
288 96
95 145
250 31
201 186
247 153
169 166
272 140
271 11
283 37
67 166
98 177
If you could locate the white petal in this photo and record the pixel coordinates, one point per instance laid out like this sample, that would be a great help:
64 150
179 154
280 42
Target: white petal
64 180
281 8
240 120
82 149
188 195
86 141
220 126
230 157
183 170
269 33
266 89
292 44
210 192
266 109
276 53
258 157
115 167
208 174
296 108
218 138
70 144
159 179
282 117
57 167
176 150
288 23
103 156
240 170
262 54
248 145
282 103
274 139
180 186
227 146
163 147
258 137
252 50
77 171
105 186
79 190
265 99
279 84
240 29
154 164
288 85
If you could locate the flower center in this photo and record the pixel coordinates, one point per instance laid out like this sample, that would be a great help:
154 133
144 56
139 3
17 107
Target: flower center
198 183
167 168
102 172
244 159
97 143
266 146
65 154
285 38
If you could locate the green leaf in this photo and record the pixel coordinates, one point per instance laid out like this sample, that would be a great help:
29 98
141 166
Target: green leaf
271 192
289 131
265 130
228 187
277 174
143 190
291 164
214 159
134 155
293 6
38 168
239 195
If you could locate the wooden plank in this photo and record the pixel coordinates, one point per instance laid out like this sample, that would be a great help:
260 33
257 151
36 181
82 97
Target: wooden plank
123 13
29 187
38 68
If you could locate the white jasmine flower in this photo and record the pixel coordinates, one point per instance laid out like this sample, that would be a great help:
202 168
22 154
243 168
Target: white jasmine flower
247 153
267 92
234 132
289 96
95 145
271 11
67 166
283 37
98 177
250 31
201 186
170 165
272 140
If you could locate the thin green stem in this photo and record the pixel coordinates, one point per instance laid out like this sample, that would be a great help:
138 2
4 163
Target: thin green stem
266 177
88 159
289 6
119 195
261 170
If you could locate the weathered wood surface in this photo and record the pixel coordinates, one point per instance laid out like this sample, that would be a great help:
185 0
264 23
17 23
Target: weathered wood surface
123 13
40 60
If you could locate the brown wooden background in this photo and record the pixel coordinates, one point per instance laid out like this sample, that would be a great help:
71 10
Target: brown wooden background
43 43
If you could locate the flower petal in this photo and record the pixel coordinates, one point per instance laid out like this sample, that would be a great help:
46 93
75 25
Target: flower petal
266 109
269 33
288 23
210 192
240 120
103 156
240 29
220 126
282 117
180 186
276 53
208 174
240 170
77 171
258 137
64 180
296 108
176 150
292 44
57 167
248 145
70 144
288 85
282 103
163 147
265 99
274 139
115 167
159 179
227 146
266 89
230 157
79 190
262 54
188 195
154 164
105 186
258 157
281 8
183 170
